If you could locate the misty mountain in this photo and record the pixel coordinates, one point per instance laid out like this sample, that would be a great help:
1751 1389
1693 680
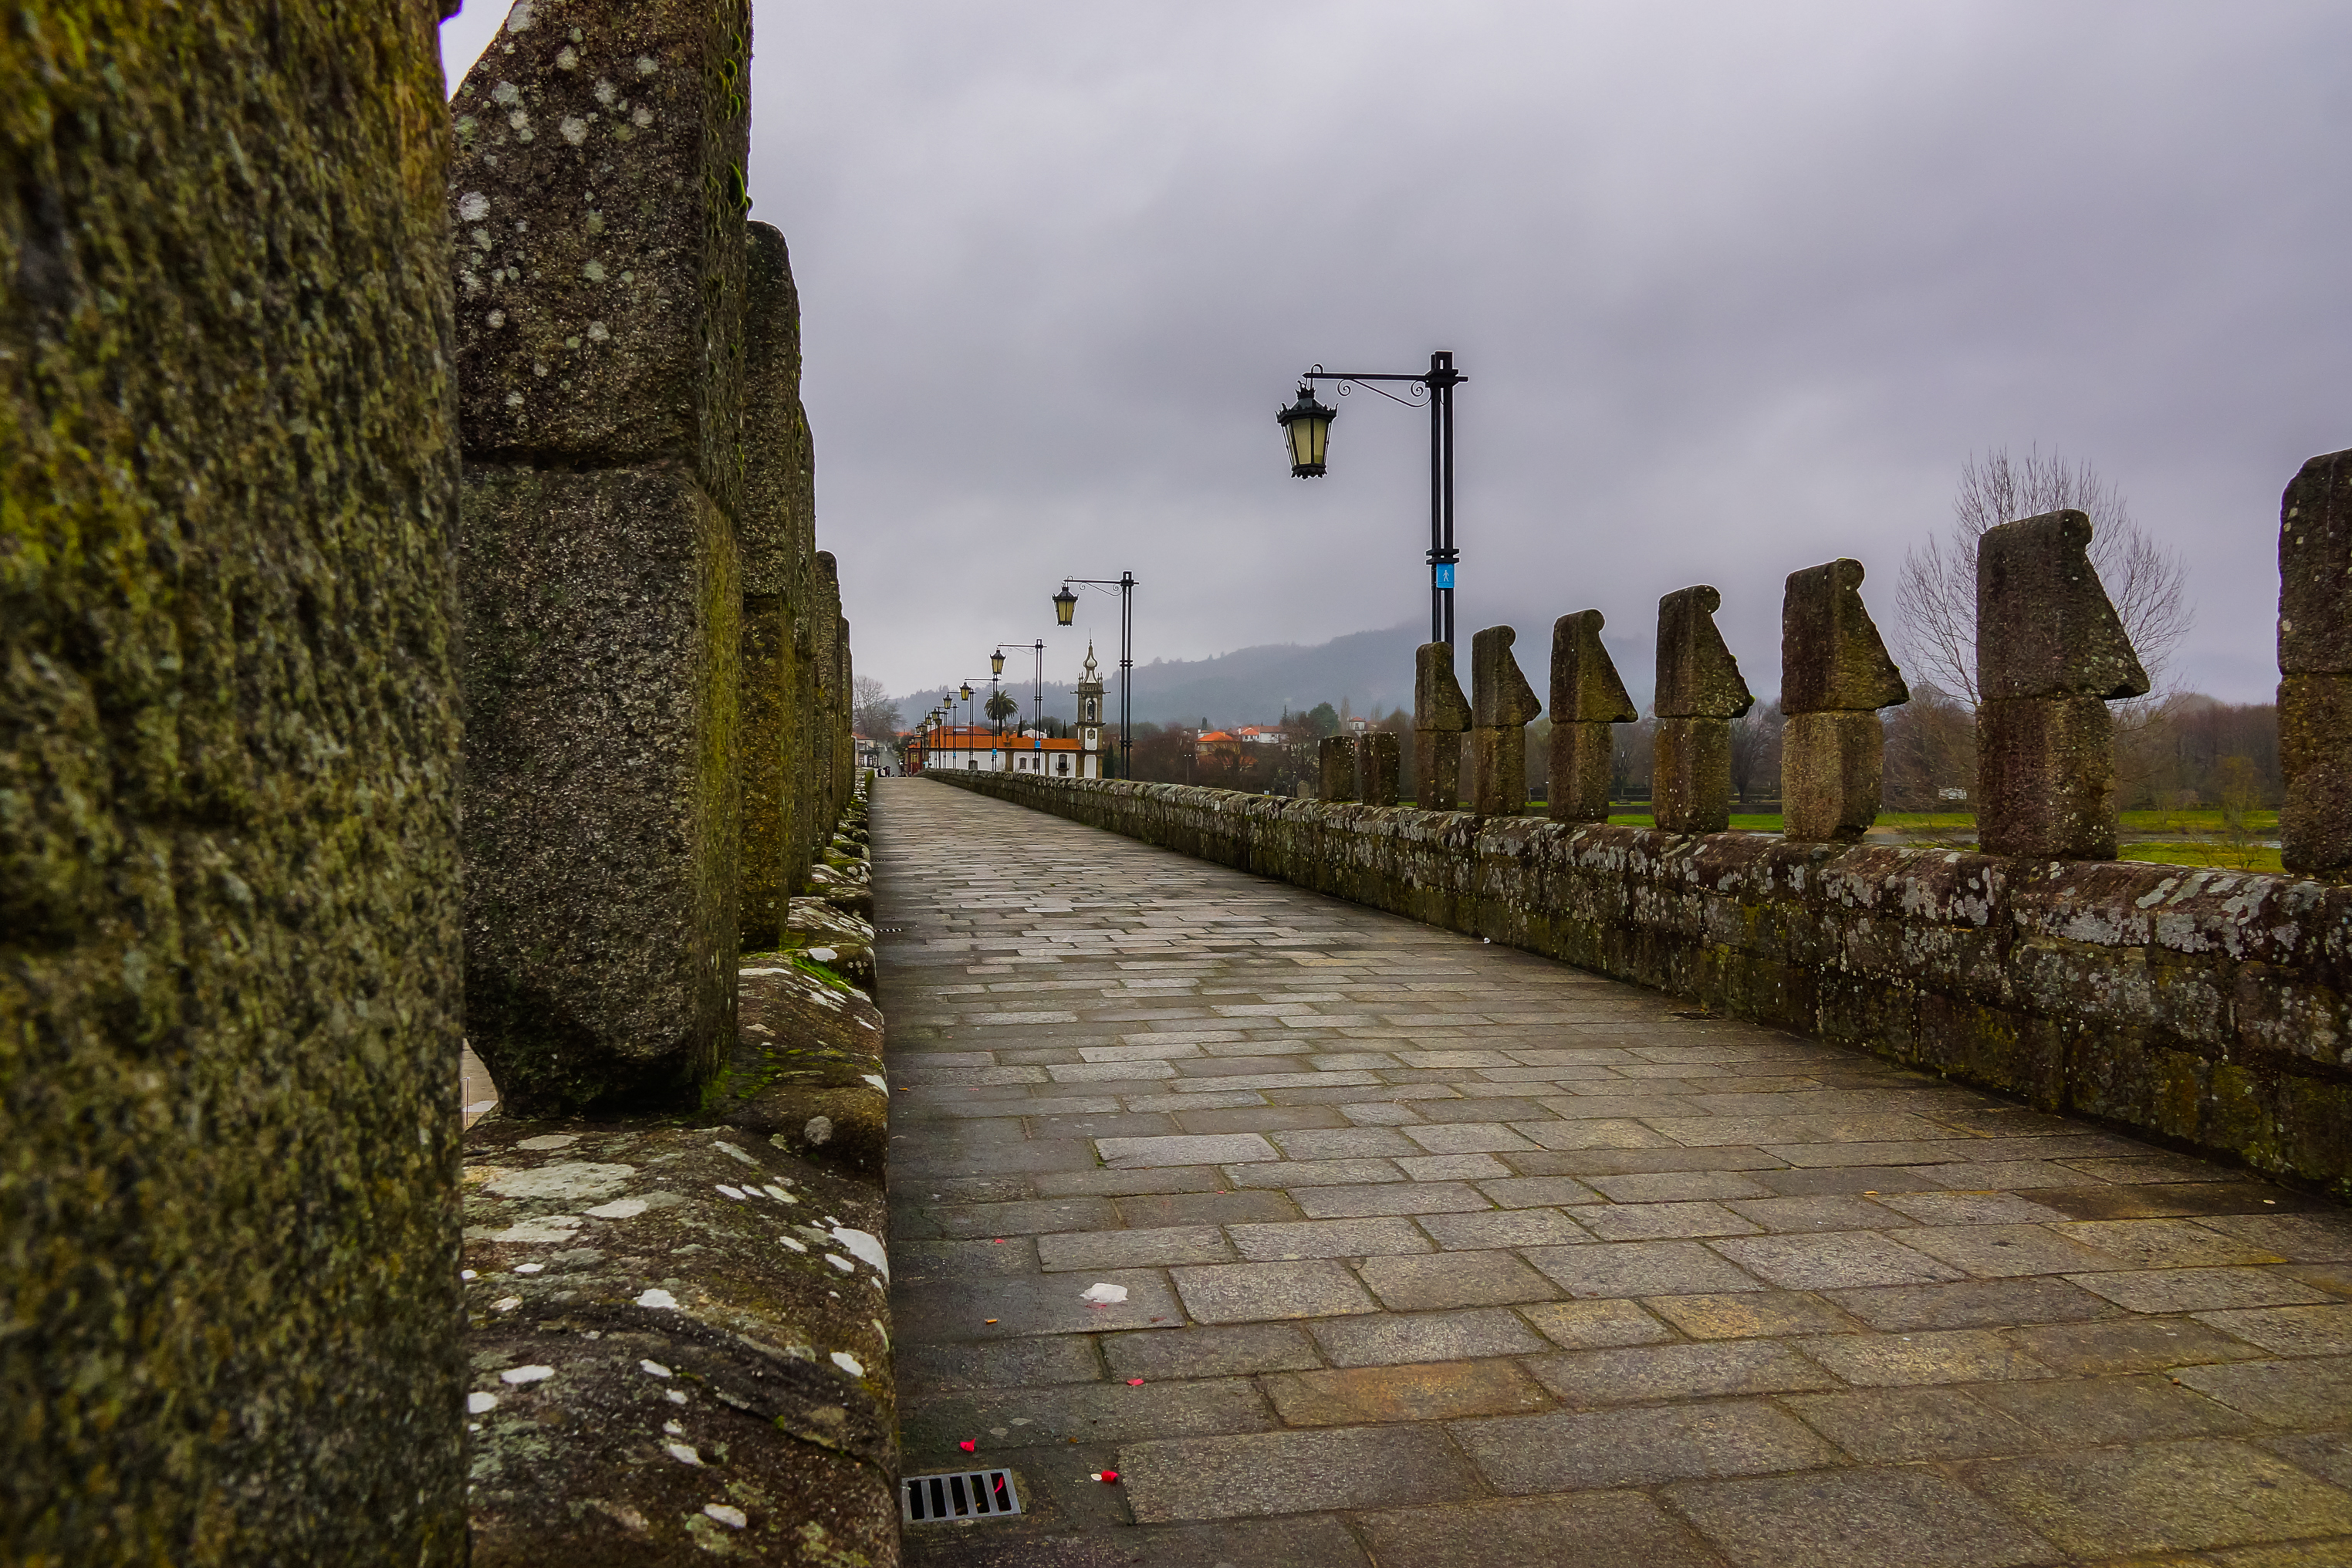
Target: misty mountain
1370 671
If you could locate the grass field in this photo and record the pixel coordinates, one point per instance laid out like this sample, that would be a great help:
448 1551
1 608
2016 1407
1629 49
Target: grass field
2225 856
2205 844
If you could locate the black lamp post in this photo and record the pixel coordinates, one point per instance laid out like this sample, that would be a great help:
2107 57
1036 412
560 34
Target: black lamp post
1037 682
1307 427
1066 604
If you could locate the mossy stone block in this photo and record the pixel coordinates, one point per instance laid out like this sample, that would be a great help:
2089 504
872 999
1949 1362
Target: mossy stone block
597 206
602 794
229 720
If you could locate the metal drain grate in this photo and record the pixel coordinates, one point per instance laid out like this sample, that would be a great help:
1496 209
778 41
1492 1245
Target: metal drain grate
961 1494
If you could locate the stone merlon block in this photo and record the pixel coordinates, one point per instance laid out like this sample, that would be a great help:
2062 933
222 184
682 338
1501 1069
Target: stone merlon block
1697 677
601 784
1335 754
1831 658
2314 557
2044 625
1585 689
1438 700
1499 693
597 206
230 882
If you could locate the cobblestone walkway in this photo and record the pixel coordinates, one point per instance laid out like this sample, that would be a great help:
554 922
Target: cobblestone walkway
1437 1253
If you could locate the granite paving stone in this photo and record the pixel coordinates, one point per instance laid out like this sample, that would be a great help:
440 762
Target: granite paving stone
2085 1412
1433 1281
1404 1197
1208 1351
2306 1393
1834 1258
1641 1269
1417 1392
2154 1497
1857 1519
1099 1249
1391 1339
1649 1222
1293 1472
1946 1355
1329 1239
1594 1530
1751 1316
2289 1331
2201 1289
1645 1374
1906 1426
1573 1450
1432 1251
1255 1292
1971 1304
1509 1228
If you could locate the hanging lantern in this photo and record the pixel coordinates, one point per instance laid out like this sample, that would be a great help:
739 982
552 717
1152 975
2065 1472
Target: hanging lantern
1307 424
996 662
1066 604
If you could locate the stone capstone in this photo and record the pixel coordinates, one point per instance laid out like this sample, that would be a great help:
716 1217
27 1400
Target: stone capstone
2050 652
1440 715
1587 699
1699 692
597 206
1502 704
1834 674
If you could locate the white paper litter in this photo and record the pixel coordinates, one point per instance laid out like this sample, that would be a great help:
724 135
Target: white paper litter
1104 1295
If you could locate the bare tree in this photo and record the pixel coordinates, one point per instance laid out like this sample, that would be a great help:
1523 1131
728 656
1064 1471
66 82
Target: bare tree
871 714
1936 594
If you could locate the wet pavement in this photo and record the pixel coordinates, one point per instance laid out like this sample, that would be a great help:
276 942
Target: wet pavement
1436 1252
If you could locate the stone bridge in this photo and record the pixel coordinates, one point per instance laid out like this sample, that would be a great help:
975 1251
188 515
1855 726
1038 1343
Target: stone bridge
414 637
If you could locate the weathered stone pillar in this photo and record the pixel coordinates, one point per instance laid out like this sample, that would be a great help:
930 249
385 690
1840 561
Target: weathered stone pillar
1502 705
776 537
2314 654
1334 757
831 699
1587 701
1699 693
599 196
1376 768
230 939
1440 715
2051 653
1834 676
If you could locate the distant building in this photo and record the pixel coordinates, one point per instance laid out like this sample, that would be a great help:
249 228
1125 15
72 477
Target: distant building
1261 735
975 748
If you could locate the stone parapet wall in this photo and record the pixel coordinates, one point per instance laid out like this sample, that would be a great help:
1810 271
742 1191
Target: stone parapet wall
2205 1008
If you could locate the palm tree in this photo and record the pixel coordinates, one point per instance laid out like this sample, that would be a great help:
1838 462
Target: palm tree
1000 707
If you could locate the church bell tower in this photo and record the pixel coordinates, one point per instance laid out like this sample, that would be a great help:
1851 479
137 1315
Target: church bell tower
1090 696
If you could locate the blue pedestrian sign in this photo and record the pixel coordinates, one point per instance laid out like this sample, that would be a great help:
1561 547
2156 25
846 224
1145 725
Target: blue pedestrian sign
1443 577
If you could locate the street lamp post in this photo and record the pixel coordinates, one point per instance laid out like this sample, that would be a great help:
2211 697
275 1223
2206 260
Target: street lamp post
1307 425
1066 604
1038 681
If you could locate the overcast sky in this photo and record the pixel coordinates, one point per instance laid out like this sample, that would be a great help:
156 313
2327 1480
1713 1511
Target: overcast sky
1738 287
